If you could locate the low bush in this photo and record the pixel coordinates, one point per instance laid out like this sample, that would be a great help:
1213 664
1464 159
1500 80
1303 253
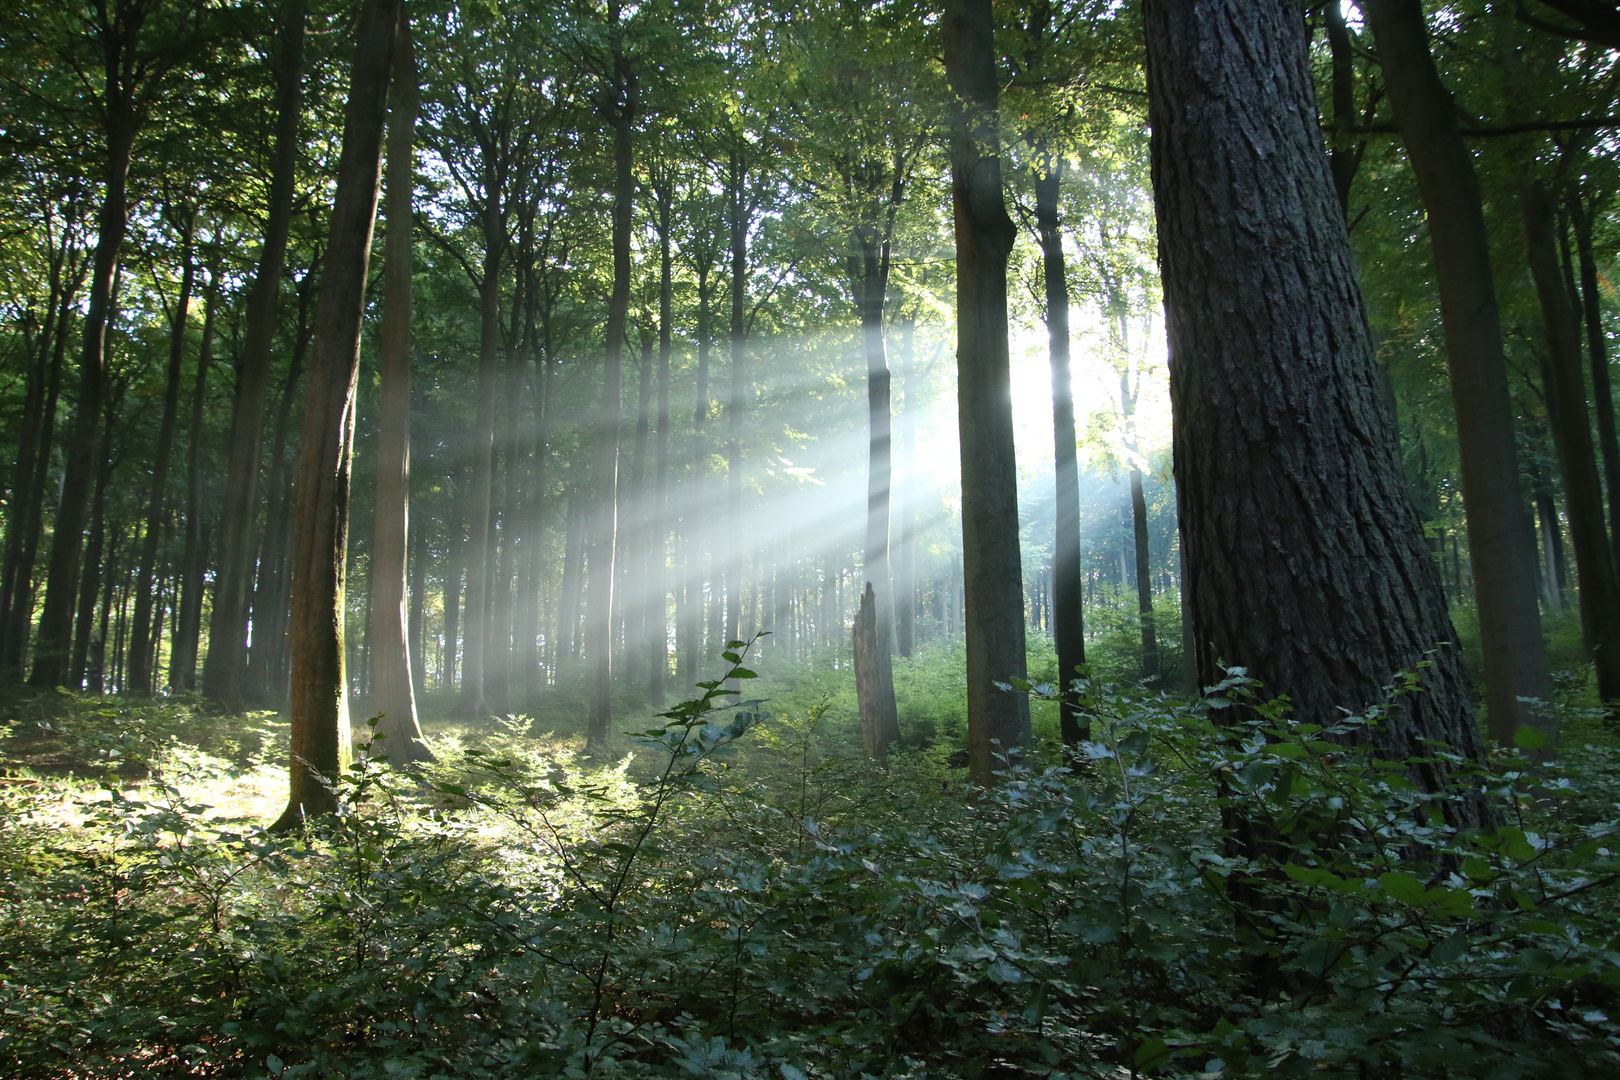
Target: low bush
747 898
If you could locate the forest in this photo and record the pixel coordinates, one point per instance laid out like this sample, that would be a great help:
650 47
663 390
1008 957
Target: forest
843 539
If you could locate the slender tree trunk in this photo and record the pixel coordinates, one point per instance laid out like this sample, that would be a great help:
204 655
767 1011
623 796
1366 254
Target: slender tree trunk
603 533
320 715
141 676
1344 160
706 608
1500 544
1068 620
122 119
1139 525
194 559
658 551
879 721
25 508
94 567
393 688
874 682
1599 592
475 632
905 577
1598 354
95 676
998 722
1283 438
415 621
267 666
225 669
737 216
455 547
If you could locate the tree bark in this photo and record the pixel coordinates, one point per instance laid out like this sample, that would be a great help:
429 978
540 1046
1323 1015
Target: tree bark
393 689
320 714
1068 620
1501 544
475 627
874 682
621 107
225 668
121 120
1599 592
737 216
658 552
1305 560
905 577
1598 355
871 287
998 721
141 648
194 559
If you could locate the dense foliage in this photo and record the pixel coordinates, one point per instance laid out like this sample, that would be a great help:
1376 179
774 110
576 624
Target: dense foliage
743 898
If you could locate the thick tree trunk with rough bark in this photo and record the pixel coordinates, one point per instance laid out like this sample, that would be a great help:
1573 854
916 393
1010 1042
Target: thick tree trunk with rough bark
1565 395
1305 560
1068 625
1500 540
998 721
225 669
393 690
320 713
141 675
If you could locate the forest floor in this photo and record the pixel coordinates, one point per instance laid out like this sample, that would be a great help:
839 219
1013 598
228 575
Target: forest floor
745 897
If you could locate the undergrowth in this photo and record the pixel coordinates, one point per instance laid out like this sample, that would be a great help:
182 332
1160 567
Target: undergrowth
744 897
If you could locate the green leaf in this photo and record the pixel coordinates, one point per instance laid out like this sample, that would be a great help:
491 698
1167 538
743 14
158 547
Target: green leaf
1402 887
1528 738
1152 1054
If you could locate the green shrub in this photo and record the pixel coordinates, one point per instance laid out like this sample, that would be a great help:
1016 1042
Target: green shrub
747 897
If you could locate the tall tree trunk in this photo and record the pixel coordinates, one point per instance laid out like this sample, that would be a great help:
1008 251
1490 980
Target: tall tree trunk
267 666
455 549
416 620
998 722
1139 524
905 575
25 507
1305 559
737 213
878 715
707 609
122 121
320 713
94 567
1500 542
194 560
658 526
95 675
874 682
225 669
393 690
1344 160
621 107
1598 355
141 648
1599 592
475 629
1068 619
